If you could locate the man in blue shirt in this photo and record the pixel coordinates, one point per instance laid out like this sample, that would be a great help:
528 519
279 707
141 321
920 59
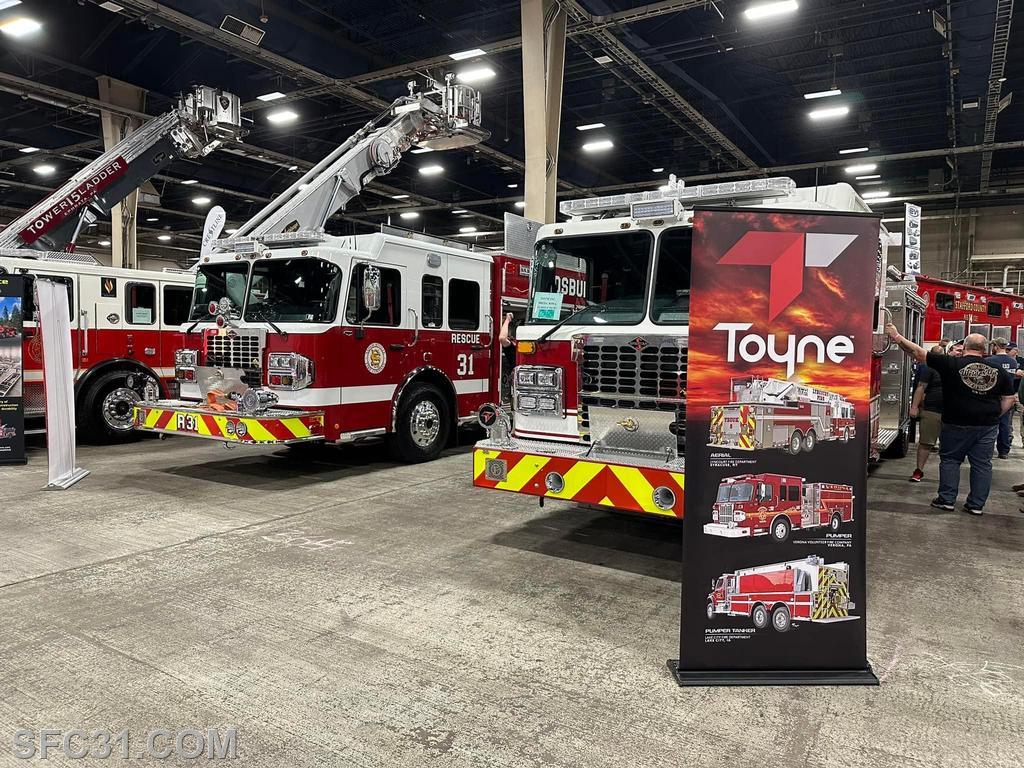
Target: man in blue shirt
1002 359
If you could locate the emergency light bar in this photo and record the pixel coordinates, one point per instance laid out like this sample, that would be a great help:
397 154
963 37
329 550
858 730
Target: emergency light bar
759 189
249 244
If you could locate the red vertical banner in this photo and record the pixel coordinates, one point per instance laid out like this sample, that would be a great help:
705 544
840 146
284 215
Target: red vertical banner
777 426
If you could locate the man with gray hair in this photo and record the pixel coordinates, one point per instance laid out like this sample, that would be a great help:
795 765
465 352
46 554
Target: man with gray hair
975 394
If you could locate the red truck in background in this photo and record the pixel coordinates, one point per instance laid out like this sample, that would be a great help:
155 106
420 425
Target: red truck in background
754 505
954 310
781 593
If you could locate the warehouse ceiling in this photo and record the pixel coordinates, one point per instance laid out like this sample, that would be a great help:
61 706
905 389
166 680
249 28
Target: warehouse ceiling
694 88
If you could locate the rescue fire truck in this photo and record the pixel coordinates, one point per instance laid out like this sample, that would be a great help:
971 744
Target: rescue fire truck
953 310
753 505
769 413
298 336
599 413
781 593
6 432
124 323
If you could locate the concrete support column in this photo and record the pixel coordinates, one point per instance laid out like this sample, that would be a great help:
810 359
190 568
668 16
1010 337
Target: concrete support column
115 128
543 26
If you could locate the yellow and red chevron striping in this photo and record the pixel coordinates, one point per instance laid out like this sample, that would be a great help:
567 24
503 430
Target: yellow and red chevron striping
586 482
228 426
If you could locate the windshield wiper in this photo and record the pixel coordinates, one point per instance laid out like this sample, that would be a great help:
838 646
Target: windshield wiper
258 314
544 336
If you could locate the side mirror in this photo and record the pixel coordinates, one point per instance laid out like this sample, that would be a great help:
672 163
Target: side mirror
371 289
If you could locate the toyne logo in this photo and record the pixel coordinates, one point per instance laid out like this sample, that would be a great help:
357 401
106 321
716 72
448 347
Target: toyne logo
786 254
788 349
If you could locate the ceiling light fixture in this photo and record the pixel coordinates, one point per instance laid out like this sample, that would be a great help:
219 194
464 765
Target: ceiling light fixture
872 176
45 169
231 231
151 219
589 126
29 150
823 94
431 170
104 243
21 26
828 112
409 215
853 150
657 170
512 186
462 55
282 116
602 145
866 168
769 10
460 210
878 194
399 197
520 204
201 200
466 230
189 181
603 59
273 96
476 75
163 238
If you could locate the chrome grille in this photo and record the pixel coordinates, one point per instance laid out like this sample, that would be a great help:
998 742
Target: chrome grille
725 513
624 373
241 350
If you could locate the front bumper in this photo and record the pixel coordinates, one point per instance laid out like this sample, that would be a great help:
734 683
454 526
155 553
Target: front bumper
273 427
729 531
523 467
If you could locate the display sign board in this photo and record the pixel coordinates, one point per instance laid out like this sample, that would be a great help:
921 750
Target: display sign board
912 239
777 423
12 409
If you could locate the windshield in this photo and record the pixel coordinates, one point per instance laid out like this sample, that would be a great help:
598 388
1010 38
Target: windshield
605 275
736 492
293 291
214 282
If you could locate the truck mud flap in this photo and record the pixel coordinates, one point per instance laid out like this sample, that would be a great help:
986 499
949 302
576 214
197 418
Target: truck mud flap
635 489
270 428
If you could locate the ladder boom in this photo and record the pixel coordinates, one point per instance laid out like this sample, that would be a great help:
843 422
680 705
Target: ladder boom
202 121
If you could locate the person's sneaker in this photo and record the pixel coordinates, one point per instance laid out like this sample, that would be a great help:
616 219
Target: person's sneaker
973 511
1004 455
1018 487
917 477
940 504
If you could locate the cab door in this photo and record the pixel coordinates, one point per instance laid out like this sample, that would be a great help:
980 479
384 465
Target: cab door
106 323
472 331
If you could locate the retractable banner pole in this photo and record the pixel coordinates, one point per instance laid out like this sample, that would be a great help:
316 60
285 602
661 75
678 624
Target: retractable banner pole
59 380
12 409
777 430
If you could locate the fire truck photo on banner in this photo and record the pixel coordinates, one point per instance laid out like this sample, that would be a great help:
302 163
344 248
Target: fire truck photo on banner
777 421
12 417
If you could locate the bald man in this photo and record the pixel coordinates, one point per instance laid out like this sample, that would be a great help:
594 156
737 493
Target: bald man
975 394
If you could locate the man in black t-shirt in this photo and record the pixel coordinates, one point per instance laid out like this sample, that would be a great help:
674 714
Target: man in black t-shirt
975 394
1001 358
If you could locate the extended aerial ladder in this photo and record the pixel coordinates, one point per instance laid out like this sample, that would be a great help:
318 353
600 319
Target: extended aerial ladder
202 121
445 116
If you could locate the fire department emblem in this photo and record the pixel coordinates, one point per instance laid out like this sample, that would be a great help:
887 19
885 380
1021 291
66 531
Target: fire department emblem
375 358
630 425
639 344
35 348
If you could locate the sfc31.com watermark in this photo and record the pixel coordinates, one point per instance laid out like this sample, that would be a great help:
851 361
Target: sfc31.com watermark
101 744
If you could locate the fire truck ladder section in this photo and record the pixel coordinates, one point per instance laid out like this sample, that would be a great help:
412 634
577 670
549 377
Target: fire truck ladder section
202 121
444 117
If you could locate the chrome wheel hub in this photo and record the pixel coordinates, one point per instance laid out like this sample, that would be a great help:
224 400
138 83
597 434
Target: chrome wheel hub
425 423
118 408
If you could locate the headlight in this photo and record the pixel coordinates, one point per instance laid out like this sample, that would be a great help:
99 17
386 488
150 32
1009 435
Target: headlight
545 378
527 402
526 378
737 515
289 370
714 515
546 403
184 358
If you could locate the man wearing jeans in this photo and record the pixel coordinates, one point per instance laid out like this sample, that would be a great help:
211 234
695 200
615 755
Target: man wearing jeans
1001 358
975 394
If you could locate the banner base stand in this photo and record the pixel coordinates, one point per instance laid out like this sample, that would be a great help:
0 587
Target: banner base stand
712 677
13 462
63 483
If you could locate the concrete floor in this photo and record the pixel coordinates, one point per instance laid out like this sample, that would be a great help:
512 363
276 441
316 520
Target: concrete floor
345 611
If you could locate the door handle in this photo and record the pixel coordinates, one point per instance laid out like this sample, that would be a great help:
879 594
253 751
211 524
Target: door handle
85 332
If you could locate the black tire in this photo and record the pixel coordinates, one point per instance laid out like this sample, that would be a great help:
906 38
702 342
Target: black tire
423 425
835 522
899 447
759 615
711 611
780 529
796 442
810 440
105 414
781 618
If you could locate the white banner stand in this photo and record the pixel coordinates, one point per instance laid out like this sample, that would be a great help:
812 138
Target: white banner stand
59 379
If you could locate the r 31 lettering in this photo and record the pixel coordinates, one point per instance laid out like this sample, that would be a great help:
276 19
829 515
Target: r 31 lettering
185 422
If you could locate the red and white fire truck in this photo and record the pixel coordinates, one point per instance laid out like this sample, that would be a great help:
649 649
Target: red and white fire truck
781 593
770 413
599 411
125 324
6 432
754 505
954 310
298 336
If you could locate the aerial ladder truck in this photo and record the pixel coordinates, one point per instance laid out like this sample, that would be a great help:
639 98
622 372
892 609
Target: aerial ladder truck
300 336
123 324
